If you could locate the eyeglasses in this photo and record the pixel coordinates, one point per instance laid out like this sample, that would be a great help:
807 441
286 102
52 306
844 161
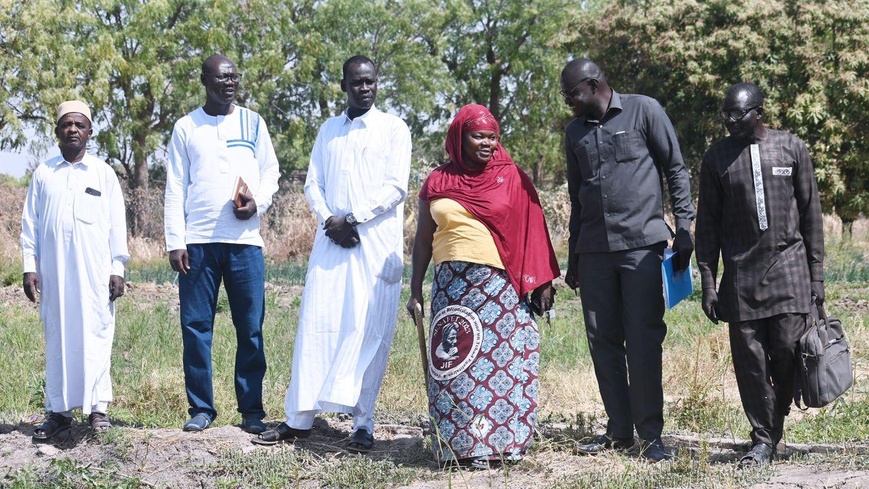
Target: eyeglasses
736 114
225 77
567 95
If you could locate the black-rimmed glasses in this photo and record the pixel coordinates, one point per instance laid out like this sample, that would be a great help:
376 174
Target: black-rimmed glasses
225 77
567 95
735 114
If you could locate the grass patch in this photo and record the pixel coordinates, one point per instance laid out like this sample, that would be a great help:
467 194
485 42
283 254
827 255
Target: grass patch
683 472
699 386
65 473
288 467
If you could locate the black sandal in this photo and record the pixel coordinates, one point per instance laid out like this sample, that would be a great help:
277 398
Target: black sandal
55 423
99 422
361 442
282 432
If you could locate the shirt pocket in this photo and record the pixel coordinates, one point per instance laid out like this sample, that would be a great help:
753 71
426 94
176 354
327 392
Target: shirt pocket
88 206
628 146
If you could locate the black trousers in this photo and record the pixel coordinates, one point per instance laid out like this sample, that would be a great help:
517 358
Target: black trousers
764 359
623 306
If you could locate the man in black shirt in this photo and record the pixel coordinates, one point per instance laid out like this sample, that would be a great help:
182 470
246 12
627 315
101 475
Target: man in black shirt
618 148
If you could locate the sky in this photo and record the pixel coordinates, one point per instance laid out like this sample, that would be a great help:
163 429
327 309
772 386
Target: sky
14 164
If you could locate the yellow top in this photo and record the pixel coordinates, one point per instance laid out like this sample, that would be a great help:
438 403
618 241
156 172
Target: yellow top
460 236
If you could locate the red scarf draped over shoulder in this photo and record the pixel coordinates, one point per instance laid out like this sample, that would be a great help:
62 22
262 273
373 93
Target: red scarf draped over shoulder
502 197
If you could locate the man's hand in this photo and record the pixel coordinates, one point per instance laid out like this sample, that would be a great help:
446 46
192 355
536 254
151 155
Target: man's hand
247 209
683 247
818 293
351 240
116 287
710 304
571 277
179 260
31 285
340 232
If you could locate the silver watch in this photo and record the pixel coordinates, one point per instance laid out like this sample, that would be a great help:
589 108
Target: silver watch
351 219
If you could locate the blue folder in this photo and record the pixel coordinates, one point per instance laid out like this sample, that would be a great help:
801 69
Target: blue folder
677 285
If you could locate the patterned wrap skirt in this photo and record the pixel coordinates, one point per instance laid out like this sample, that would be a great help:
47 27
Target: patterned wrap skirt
484 353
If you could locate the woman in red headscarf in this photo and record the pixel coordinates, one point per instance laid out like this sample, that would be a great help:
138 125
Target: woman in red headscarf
481 221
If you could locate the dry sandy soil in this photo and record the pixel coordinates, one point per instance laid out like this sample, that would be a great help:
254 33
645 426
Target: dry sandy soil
167 457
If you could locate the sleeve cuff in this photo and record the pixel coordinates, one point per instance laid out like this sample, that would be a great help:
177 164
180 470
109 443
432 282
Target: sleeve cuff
118 268
29 264
816 272
682 223
363 215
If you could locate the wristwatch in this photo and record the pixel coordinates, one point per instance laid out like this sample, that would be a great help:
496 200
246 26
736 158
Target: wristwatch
351 219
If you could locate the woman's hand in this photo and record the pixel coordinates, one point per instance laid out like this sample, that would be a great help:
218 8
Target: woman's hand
412 303
543 297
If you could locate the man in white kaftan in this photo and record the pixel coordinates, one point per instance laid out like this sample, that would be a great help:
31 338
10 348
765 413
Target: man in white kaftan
356 185
74 245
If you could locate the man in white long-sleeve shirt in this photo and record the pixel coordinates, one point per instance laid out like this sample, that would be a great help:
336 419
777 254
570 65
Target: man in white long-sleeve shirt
356 185
211 238
74 244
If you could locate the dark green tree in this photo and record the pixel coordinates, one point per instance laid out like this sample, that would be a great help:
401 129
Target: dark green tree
811 58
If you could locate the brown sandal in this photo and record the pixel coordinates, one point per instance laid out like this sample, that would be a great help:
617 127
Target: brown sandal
55 423
99 422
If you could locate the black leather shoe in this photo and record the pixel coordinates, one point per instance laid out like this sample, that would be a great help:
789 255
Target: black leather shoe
282 432
760 454
602 443
654 451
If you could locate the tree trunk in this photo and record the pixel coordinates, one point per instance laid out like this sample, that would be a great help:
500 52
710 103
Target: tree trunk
139 218
847 229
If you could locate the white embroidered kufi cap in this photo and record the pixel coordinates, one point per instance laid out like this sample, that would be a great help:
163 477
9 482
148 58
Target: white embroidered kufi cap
74 106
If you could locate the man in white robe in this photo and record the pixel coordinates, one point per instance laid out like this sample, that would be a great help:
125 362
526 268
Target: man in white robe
74 245
356 185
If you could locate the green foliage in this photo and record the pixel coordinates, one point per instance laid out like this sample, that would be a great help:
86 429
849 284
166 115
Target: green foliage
810 59
64 473
137 64
839 422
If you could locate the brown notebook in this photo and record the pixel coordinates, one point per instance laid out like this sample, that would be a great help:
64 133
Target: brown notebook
239 190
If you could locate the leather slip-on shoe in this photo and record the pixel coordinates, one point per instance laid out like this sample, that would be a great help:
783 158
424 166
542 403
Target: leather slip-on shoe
602 443
654 451
253 425
282 432
197 423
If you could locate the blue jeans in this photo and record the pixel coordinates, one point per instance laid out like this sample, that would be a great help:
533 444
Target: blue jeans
242 268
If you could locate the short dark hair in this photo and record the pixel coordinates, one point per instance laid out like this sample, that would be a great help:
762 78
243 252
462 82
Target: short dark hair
355 61
584 68
753 92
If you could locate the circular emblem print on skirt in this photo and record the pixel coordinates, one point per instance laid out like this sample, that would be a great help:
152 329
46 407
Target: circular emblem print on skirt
456 335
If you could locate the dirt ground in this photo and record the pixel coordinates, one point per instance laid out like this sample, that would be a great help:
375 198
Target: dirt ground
172 458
